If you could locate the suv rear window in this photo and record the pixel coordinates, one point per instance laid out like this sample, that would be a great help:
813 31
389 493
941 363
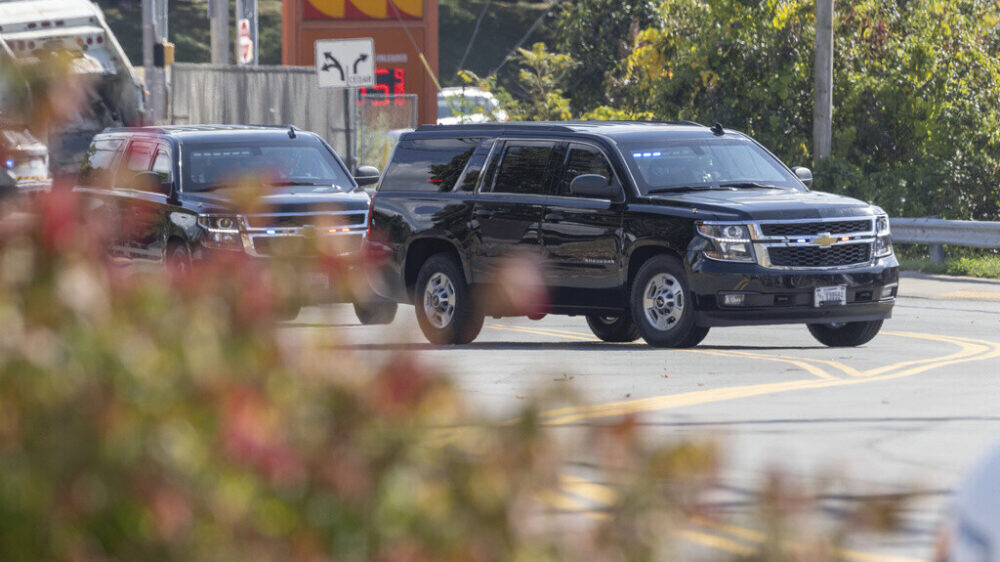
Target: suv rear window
428 164
96 170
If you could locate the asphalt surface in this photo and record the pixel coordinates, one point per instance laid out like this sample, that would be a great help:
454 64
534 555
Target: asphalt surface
908 413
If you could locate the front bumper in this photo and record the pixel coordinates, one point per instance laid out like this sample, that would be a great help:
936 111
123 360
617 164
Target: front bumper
786 296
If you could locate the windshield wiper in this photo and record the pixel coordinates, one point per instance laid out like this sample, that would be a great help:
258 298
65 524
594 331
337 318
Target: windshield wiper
678 188
298 184
749 185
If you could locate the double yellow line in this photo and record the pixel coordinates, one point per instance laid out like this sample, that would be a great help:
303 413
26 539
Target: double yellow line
590 499
969 350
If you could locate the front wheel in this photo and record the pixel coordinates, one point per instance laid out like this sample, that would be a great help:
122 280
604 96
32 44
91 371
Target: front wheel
445 308
613 329
850 334
375 312
662 304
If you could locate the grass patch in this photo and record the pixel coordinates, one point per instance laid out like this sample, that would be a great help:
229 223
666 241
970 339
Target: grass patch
985 267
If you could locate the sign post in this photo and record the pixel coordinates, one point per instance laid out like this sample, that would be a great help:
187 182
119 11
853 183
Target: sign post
347 64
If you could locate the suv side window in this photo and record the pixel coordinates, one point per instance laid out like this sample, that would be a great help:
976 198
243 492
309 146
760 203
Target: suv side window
97 168
432 165
163 165
583 159
524 168
138 159
474 169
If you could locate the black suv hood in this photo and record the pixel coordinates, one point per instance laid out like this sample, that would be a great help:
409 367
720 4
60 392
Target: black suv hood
281 200
766 204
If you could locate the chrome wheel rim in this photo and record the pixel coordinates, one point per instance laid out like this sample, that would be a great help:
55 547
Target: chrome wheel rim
439 300
663 301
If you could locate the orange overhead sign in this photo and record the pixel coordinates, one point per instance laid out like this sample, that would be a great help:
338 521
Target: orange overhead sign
403 30
363 9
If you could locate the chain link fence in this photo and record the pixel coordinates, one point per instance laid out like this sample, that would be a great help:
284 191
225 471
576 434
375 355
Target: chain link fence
381 119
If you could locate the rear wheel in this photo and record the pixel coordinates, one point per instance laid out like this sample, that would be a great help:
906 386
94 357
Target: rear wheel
662 307
613 329
850 334
446 311
376 312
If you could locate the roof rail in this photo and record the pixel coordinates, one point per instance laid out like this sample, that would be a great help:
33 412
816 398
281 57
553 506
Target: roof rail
560 126
524 126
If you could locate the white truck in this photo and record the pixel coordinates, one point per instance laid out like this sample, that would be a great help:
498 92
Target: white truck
30 30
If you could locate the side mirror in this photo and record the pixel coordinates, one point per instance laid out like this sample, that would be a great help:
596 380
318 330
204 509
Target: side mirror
804 174
366 175
594 186
151 182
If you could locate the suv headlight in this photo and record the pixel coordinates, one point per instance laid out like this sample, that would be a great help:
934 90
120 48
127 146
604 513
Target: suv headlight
221 231
883 239
730 242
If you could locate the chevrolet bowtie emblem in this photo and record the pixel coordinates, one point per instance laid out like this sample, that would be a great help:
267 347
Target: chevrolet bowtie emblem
824 240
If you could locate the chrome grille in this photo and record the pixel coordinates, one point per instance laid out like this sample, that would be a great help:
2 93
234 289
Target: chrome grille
815 256
299 221
814 228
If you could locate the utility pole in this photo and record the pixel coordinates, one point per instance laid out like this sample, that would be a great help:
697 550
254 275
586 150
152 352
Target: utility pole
218 14
154 30
147 56
823 108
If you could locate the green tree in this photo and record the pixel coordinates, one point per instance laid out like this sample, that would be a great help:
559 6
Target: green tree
600 34
538 91
916 91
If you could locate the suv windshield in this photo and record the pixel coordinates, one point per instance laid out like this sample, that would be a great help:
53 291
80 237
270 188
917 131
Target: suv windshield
707 163
293 162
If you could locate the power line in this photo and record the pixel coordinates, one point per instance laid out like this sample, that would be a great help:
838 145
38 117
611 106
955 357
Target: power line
525 38
475 32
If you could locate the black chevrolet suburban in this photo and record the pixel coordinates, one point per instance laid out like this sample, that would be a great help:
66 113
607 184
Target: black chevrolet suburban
179 194
658 230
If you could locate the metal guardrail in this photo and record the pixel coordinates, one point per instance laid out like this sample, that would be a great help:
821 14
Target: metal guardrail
937 232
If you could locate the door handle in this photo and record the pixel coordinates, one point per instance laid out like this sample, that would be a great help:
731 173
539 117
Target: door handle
483 213
554 217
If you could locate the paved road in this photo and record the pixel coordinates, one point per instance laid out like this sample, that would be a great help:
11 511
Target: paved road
911 411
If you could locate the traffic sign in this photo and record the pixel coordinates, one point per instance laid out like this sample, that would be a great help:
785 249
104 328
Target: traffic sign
345 63
244 42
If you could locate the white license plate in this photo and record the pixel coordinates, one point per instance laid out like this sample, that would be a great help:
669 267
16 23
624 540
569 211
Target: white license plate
830 296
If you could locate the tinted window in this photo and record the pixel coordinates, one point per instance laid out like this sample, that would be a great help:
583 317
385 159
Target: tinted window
474 170
163 166
583 159
428 165
138 159
705 162
96 170
302 161
524 168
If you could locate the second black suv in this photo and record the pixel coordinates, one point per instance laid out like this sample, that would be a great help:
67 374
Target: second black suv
658 230
180 193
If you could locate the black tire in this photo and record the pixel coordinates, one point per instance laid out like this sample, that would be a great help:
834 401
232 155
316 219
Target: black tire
613 329
465 320
376 312
851 334
671 330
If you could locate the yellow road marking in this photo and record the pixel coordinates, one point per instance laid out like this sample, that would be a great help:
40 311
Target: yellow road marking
970 350
802 364
717 542
586 489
